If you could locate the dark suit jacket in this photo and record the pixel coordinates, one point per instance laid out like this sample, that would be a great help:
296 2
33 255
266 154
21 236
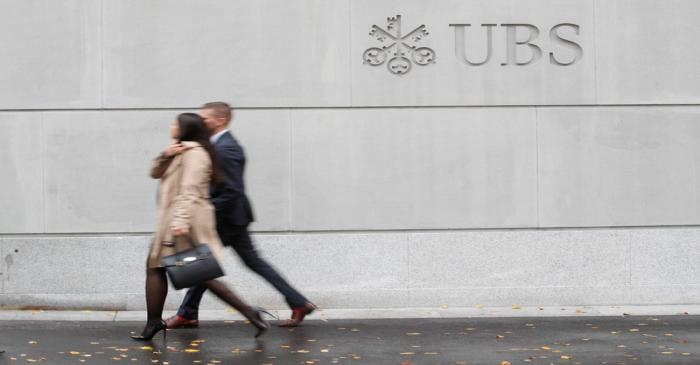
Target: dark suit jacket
228 196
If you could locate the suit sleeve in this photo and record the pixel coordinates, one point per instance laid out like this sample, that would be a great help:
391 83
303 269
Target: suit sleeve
231 170
193 171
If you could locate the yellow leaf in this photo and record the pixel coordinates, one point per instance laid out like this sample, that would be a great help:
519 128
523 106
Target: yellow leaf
546 348
505 363
146 348
517 306
564 357
413 334
191 350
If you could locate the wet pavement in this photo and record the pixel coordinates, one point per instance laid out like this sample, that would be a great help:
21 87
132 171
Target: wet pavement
564 340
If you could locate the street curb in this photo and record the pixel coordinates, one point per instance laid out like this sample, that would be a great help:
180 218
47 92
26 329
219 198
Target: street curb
383 313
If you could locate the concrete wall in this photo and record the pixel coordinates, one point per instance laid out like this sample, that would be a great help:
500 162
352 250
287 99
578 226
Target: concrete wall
451 184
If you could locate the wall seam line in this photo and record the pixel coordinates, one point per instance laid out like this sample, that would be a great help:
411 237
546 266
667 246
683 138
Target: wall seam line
290 206
366 107
352 104
537 164
369 231
595 50
102 56
42 161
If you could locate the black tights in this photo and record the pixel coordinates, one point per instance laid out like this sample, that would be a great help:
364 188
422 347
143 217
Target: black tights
157 290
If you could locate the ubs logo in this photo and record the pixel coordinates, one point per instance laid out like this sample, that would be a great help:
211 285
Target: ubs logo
397 47
522 43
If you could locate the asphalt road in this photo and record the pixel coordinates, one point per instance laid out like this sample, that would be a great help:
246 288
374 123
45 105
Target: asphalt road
567 340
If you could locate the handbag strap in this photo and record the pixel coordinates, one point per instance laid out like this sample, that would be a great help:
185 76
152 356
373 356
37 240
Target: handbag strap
171 242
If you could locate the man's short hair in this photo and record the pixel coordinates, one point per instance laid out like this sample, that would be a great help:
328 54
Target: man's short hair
220 109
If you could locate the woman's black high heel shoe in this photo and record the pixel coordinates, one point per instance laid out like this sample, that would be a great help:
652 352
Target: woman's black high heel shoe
257 320
148 333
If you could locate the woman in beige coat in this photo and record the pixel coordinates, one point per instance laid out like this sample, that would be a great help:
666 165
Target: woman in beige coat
186 169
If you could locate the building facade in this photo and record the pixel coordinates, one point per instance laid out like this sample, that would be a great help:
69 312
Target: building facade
402 153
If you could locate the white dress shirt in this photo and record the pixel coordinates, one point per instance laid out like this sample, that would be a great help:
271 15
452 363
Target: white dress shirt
213 139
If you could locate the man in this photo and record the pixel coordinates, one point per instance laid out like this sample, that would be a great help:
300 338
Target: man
233 215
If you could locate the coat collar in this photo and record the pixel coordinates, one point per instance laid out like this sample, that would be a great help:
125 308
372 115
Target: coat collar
177 161
191 144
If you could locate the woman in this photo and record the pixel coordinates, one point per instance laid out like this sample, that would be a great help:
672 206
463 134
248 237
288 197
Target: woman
185 171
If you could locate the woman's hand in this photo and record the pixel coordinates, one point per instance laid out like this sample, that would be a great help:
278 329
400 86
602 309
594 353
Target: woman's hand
174 149
179 231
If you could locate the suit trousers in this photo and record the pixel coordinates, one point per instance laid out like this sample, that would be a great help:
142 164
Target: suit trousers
239 239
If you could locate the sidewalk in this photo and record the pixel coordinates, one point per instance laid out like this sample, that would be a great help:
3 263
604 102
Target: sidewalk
598 335
387 313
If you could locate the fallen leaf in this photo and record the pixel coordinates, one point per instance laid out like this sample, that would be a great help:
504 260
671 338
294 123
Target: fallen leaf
516 306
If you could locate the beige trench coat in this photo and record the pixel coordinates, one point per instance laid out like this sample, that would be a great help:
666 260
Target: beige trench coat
184 202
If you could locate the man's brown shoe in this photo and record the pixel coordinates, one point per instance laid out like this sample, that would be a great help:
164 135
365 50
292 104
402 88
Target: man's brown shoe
181 322
298 315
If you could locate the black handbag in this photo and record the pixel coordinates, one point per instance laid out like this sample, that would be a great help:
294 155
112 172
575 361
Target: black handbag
192 267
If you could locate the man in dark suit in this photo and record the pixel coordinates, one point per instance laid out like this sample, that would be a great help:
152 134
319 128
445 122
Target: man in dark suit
233 215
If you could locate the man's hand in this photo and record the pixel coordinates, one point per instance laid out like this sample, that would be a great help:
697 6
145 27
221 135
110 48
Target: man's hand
179 231
174 149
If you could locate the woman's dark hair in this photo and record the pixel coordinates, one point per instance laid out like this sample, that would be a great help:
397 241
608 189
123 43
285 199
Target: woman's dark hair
192 128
